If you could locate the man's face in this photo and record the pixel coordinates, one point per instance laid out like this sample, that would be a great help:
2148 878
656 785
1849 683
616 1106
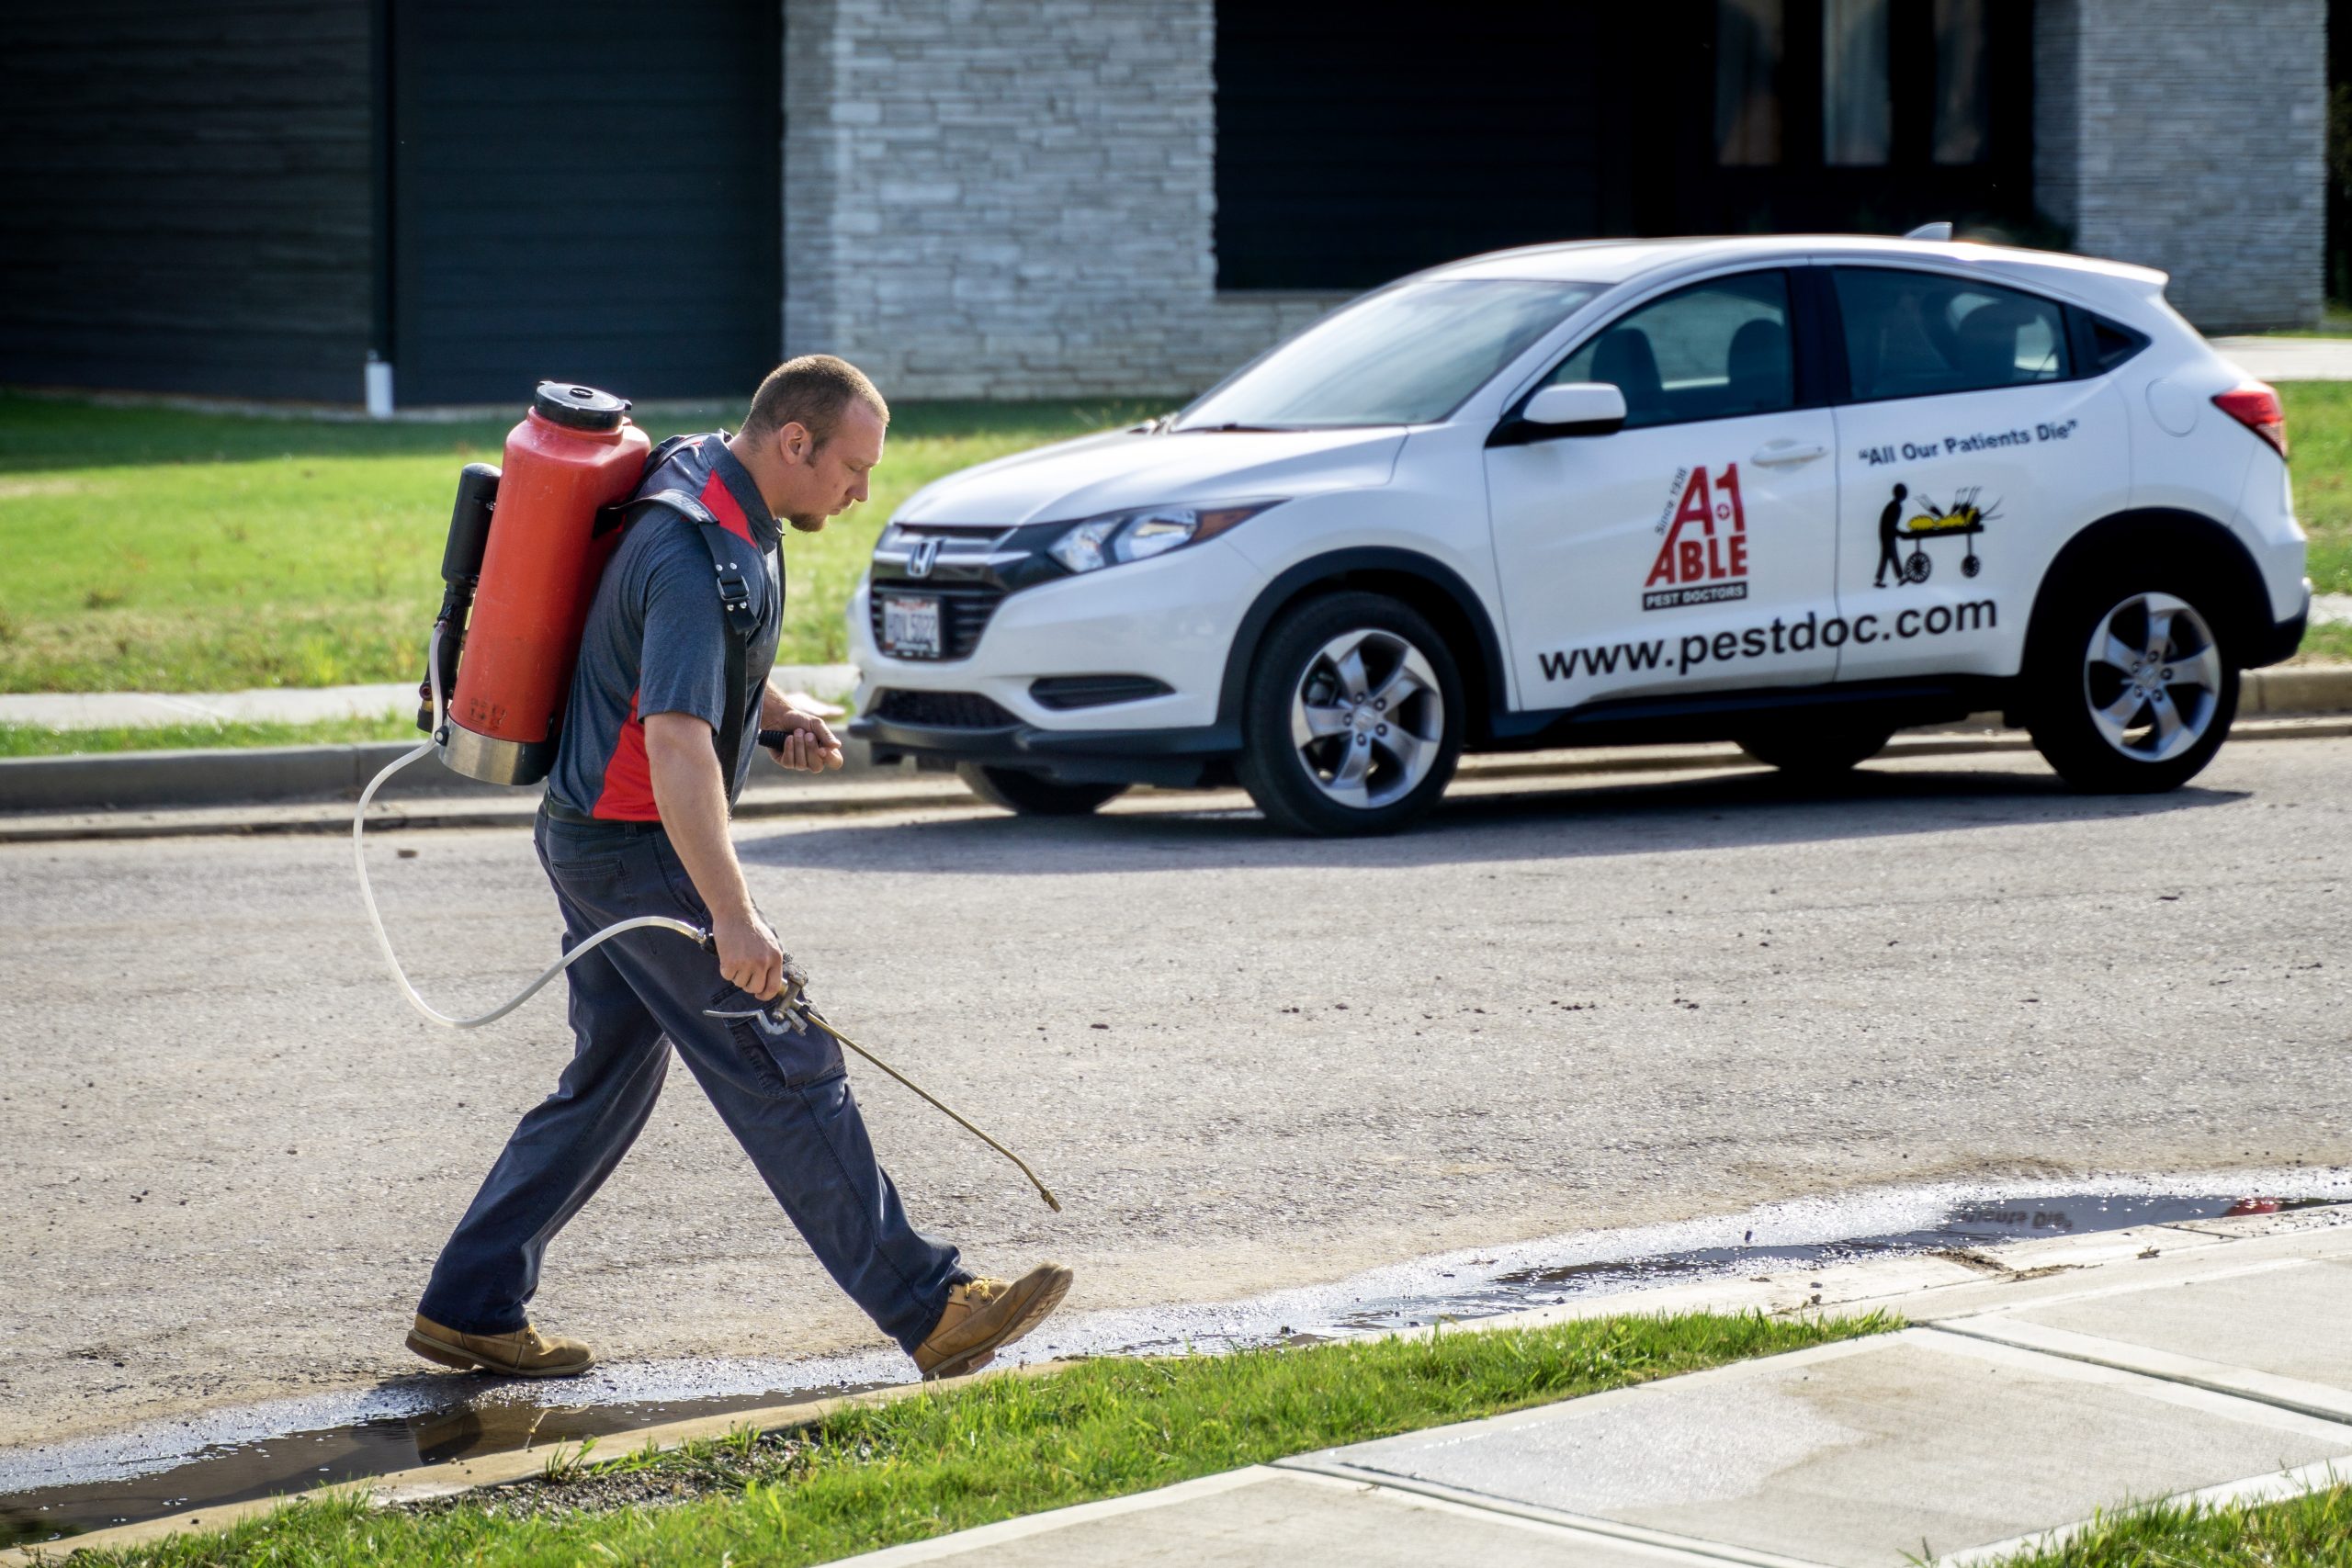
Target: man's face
824 481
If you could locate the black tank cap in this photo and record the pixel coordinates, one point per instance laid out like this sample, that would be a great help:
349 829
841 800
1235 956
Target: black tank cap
579 408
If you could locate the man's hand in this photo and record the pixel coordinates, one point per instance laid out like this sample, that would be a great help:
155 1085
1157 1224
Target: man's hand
808 745
750 957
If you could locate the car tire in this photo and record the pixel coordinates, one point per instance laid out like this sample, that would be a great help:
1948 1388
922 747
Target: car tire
1340 687
2110 708
1814 753
1034 794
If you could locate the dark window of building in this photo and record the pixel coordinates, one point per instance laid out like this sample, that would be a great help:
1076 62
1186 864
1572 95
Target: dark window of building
1898 84
1715 350
1857 95
1352 147
1918 334
1751 37
1962 131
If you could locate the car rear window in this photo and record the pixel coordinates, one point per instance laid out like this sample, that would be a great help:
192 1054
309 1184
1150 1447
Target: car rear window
1917 334
2110 344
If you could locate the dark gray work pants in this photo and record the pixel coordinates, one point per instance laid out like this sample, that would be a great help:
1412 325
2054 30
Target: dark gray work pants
785 1097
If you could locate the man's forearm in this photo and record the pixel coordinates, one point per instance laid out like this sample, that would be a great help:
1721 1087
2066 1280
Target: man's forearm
692 798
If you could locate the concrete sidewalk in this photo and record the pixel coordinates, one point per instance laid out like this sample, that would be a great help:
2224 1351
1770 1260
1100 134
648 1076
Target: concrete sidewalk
298 704
2278 357
2212 1360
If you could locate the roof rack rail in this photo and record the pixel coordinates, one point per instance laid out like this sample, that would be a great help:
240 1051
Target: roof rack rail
1930 231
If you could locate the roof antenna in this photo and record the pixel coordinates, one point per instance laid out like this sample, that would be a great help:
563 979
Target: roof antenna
1930 231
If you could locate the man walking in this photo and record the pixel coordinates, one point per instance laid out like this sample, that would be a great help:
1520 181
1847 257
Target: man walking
635 822
1890 537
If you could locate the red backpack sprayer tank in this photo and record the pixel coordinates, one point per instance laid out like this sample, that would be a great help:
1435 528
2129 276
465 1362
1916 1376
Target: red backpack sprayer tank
527 544
527 582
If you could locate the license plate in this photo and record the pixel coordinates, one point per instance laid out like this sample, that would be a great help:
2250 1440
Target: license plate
911 627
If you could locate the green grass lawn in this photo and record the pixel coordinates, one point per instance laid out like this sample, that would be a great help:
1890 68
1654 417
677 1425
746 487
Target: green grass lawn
39 740
2319 432
2311 1531
998 1449
154 549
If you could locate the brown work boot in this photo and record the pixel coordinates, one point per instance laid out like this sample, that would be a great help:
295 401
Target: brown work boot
982 1317
526 1353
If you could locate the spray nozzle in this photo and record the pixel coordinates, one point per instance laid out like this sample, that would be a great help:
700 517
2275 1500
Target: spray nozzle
787 1010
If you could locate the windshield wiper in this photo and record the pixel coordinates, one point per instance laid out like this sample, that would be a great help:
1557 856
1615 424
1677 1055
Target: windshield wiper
1229 425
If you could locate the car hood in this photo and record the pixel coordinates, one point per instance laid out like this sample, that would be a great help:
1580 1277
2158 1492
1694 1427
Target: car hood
1121 468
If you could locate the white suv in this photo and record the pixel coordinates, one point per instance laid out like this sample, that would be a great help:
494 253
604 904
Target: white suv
1795 492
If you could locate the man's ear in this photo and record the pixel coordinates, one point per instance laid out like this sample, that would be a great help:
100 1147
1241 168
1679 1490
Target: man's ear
794 443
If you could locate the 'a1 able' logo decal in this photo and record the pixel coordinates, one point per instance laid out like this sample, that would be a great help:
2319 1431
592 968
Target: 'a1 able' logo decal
1703 557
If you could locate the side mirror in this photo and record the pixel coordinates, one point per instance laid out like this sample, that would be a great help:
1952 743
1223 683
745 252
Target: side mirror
1572 407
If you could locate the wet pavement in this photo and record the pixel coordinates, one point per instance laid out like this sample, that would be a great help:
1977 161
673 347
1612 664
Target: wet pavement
502 1419
443 1418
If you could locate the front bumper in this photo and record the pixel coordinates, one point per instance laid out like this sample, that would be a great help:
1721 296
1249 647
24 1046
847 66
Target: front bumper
1170 621
1171 757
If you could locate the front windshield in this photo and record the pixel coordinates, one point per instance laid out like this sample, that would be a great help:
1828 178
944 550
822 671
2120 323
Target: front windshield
1405 356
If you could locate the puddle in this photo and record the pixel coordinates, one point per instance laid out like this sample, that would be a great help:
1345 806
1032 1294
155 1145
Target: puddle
499 1420
53 1493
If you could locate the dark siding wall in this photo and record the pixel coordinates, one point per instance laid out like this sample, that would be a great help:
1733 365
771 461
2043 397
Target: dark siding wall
184 196
592 195
1352 147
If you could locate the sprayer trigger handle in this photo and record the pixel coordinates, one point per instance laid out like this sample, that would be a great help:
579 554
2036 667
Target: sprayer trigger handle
772 738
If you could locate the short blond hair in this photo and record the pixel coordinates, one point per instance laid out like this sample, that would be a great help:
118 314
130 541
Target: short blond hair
812 392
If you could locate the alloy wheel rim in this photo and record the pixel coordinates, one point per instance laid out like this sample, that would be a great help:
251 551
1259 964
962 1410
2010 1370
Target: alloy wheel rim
2152 677
1367 719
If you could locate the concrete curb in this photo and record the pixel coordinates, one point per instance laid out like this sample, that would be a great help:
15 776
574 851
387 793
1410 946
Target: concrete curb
868 789
2311 688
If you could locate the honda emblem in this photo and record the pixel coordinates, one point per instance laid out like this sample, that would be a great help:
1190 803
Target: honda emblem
926 556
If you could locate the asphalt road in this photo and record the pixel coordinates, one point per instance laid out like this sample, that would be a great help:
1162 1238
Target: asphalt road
228 1152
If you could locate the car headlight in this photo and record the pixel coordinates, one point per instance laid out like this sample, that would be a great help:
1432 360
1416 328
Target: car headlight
1117 538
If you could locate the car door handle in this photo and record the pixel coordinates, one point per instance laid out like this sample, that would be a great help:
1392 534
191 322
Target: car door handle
1781 453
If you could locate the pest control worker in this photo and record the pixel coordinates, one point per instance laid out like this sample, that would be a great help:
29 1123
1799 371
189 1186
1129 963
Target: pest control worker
635 823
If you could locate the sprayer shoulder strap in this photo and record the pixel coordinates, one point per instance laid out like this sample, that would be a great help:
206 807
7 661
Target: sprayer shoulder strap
737 599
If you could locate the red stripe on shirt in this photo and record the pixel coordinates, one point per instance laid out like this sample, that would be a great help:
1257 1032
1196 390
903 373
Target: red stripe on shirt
627 795
726 508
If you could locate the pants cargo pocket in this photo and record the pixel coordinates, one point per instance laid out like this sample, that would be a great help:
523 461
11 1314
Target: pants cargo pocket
782 1059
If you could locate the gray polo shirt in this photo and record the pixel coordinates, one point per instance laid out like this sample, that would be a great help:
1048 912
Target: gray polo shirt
656 640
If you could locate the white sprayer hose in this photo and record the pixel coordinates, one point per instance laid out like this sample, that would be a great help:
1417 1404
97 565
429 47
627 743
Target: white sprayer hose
376 919
642 922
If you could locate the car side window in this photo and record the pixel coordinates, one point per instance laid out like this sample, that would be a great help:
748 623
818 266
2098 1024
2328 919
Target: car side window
1917 334
1715 350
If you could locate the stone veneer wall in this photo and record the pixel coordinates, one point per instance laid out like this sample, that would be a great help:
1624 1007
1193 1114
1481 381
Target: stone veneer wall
1014 198
1010 198
2190 135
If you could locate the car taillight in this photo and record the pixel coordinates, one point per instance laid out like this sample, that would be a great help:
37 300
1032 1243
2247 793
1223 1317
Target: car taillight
2256 407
